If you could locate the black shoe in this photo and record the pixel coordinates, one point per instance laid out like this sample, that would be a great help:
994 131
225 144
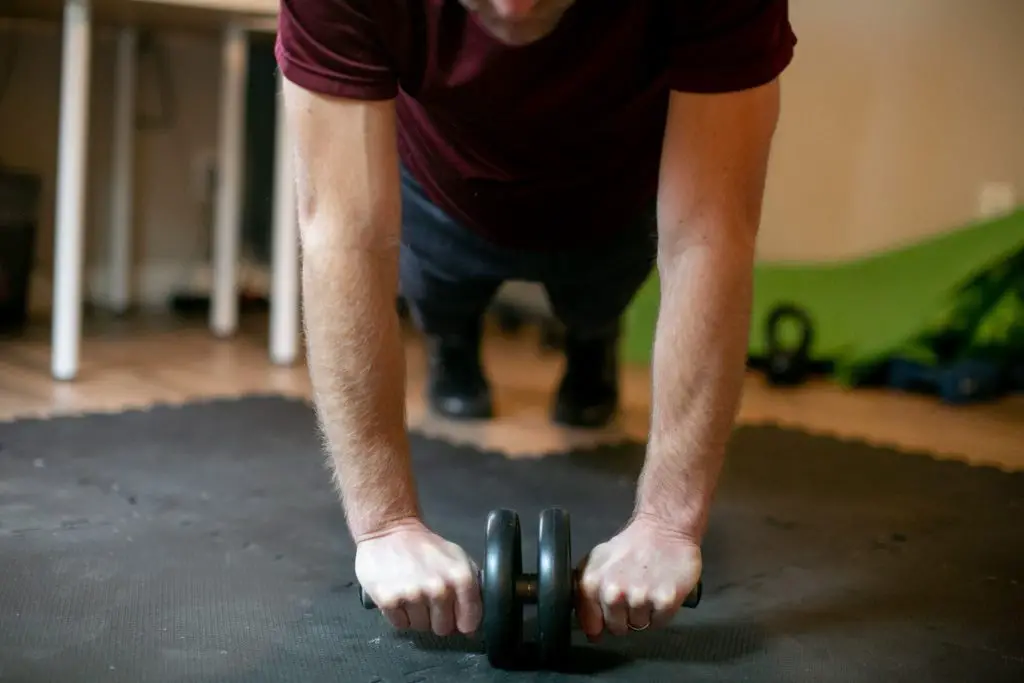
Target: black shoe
589 393
456 386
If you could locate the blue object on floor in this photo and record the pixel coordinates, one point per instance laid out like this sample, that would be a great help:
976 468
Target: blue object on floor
960 382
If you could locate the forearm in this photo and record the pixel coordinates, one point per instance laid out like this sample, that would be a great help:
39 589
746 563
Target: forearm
349 213
710 196
357 369
698 368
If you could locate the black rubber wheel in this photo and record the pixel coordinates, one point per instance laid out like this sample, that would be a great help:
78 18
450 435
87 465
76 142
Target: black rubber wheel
502 609
554 588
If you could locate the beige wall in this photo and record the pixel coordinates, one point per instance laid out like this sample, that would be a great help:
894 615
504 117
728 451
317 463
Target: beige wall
895 114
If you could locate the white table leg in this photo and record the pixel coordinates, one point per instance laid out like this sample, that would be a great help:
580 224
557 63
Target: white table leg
122 173
227 228
70 210
284 286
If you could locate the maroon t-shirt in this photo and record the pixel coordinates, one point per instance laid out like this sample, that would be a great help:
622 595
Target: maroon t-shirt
541 145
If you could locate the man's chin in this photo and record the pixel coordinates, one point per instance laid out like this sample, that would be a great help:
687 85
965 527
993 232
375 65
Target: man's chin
517 35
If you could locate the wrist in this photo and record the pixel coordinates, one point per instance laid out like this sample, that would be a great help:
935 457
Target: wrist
676 502
666 527
387 527
374 524
678 521
377 505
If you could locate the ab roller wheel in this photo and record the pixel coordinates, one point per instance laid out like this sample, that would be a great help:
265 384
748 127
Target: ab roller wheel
500 588
556 586
506 589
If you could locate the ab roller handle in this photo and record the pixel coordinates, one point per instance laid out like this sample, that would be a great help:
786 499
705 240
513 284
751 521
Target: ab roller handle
526 591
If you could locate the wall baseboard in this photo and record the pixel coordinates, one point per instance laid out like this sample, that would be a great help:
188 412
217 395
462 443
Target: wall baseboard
155 284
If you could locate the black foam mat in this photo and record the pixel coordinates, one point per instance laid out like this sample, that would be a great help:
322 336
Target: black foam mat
205 543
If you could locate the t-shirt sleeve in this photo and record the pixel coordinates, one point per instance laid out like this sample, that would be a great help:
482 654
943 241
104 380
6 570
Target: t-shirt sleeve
728 45
334 47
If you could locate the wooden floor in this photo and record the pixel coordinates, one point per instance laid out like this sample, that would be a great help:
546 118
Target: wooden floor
144 362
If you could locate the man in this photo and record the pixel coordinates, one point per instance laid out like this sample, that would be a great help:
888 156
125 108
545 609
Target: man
443 147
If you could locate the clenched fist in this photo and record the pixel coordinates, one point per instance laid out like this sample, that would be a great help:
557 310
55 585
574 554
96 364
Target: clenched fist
637 579
419 580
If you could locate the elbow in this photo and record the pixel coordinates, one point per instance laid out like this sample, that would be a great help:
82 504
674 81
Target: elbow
338 232
728 246
336 222
306 207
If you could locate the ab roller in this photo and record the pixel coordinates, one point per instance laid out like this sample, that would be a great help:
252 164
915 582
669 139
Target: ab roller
505 589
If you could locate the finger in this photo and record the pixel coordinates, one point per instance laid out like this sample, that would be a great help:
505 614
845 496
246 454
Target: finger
640 617
397 616
639 610
665 603
614 609
467 608
440 605
589 613
588 598
419 615
442 616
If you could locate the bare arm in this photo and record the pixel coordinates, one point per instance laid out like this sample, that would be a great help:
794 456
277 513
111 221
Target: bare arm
346 165
709 208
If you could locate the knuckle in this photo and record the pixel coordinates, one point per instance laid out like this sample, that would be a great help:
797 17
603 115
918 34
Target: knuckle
461 578
391 603
386 599
590 584
434 588
611 592
637 597
665 598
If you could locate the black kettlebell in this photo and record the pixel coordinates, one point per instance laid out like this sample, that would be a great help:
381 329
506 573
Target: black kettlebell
788 366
